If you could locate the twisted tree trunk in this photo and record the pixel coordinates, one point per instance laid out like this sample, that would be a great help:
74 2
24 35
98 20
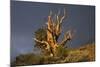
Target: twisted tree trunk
53 33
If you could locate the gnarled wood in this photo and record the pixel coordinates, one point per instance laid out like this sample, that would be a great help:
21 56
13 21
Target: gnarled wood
53 32
67 37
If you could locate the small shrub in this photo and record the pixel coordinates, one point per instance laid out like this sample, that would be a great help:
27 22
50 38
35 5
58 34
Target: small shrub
61 51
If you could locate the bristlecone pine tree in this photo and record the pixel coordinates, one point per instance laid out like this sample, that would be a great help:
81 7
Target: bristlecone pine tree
48 37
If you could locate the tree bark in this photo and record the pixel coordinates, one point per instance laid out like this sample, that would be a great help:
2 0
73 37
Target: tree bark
53 33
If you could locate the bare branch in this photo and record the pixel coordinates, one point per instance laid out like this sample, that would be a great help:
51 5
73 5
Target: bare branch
67 37
50 13
58 18
63 17
58 24
58 13
43 42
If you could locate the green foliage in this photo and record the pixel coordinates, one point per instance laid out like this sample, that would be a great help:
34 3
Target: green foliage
61 51
63 56
41 34
28 59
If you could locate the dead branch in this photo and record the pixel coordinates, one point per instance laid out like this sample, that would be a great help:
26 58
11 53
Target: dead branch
63 16
67 37
50 13
43 42
59 22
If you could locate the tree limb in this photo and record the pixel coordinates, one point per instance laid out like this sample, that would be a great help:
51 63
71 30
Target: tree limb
43 42
50 13
63 17
67 37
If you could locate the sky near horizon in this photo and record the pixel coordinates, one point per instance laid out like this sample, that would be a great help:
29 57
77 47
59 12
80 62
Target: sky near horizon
27 17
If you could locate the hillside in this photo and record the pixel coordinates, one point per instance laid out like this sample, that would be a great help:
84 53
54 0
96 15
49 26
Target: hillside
82 54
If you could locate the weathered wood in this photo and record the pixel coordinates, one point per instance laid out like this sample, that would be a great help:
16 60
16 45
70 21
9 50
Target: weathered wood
54 29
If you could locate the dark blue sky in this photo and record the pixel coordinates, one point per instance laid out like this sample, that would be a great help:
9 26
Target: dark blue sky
27 17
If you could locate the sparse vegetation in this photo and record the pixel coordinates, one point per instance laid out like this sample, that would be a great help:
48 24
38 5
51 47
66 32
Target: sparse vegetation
51 51
82 54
